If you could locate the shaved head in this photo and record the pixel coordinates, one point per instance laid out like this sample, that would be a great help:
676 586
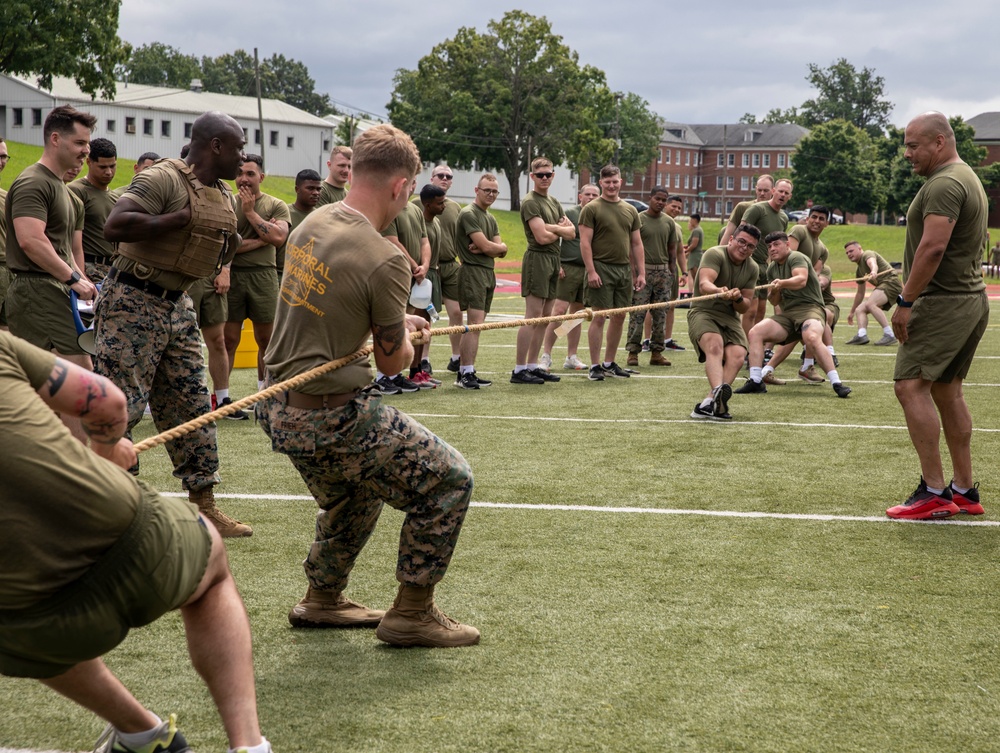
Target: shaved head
932 124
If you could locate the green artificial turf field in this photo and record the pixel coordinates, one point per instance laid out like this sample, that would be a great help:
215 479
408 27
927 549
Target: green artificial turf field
642 581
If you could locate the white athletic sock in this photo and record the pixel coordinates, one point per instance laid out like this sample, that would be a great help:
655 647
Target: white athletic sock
455 359
134 740
379 376
707 402
958 489
221 395
390 378
769 369
519 369
263 747
531 366
932 490
807 362
756 373
833 376
260 385
466 369
607 364
862 332
830 348
887 330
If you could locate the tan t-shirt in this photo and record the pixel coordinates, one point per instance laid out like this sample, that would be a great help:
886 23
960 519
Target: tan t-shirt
341 278
296 219
658 235
41 195
473 219
953 191
613 223
97 205
61 506
549 210
265 257
728 275
329 194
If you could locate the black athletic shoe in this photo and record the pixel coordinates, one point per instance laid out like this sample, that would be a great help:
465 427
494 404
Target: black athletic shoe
703 413
615 370
751 387
386 387
720 402
467 381
841 389
768 355
545 376
672 344
482 382
453 365
836 362
236 415
404 384
425 366
596 373
525 377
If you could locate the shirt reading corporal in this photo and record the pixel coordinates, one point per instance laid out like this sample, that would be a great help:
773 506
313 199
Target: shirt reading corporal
549 210
728 275
97 205
613 223
474 219
658 234
953 191
265 257
319 320
296 215
39 194
51 481
810 295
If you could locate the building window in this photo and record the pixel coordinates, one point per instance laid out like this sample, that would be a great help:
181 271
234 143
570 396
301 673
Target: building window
667 155
718 206
756 160
326 145
718 182
290 142
730 182
678 156
189 126
165 128
18 117
129 125
732 160
274 138
687 158
781 161
147 126
722 160
687 181
744 183
677 180
746 160
256 135
729 207
110 126
767 160
36 116
659 157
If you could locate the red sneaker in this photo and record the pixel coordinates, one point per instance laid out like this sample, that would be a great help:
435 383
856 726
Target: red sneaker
923 505
968 502
215 402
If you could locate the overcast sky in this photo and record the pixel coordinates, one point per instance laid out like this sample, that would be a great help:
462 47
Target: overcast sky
694 62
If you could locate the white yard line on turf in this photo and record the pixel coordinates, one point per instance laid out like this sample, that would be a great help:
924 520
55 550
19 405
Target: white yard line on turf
643 511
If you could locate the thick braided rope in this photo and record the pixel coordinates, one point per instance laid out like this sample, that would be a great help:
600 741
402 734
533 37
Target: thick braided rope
306 376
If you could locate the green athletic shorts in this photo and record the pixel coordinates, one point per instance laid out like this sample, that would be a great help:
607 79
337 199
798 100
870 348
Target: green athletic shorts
892 288
573 286
449 280
6 278
39 311
702 322
475 287
209 307
253 295
539 274
793 319
944 332
675 283
153 569
435 277
616 288
834 308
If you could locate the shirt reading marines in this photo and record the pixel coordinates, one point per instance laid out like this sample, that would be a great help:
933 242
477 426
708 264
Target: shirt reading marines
344 283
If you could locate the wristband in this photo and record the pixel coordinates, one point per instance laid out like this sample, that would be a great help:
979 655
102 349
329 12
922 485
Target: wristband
902 302
73 278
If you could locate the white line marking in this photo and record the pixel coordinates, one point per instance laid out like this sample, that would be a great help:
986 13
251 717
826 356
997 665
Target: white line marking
642 511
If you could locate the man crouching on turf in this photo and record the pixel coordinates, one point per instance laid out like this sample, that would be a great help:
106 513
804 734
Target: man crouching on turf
344 283
794 287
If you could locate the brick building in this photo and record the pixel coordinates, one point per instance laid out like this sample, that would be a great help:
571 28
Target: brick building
987 127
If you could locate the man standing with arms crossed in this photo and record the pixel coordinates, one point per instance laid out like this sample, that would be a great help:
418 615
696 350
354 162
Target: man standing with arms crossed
940 317
611 247
442 176
545 225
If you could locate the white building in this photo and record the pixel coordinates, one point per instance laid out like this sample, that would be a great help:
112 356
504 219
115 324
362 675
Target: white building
156 119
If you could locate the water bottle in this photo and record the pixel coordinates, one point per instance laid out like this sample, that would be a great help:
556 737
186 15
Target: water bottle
420 298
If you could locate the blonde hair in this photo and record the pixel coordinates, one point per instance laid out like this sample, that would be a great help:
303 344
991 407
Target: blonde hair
385 151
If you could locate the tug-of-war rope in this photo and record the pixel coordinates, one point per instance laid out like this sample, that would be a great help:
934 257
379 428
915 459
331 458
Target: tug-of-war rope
297 381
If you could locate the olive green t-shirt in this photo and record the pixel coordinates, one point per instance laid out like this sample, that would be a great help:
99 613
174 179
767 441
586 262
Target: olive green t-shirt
330 194
828 296
613 223
658 235
265 257
434 238
569 250
694 255
763 216
812 247
296 216
341 278
448 221
410 228
61 506
97 205
883 268
41 195
810 295
161 189
728 275
549 210
736 217
473 219
953 191
3 226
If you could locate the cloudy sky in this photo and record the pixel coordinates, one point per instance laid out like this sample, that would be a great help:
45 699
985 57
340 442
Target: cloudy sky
694 62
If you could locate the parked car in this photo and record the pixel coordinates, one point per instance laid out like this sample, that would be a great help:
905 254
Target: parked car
642 206
800 214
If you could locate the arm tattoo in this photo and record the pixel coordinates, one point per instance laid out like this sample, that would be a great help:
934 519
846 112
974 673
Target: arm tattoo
57 378
263 227
389 338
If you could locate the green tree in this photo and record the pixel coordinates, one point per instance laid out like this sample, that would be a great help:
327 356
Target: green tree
845 93
837 165
74 38
627 134
281 78
500 98
158 64
775 115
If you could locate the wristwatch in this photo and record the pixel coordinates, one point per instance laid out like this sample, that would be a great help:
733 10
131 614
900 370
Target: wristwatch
73 278
902 302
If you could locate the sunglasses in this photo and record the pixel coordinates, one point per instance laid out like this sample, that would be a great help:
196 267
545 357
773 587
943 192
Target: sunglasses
444 176
544 175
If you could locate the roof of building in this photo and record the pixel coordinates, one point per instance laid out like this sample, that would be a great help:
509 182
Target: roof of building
986 125
679 133
737 135
160 98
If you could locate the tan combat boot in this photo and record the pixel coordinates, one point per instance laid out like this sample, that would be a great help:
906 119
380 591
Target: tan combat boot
415 620
226 526
322 609
657 359
632 360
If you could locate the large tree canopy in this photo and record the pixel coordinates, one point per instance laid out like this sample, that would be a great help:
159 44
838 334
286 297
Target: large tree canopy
500 98
74 38
837 165
843 92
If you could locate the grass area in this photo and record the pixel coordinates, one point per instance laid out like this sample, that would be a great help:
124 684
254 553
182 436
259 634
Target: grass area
615 629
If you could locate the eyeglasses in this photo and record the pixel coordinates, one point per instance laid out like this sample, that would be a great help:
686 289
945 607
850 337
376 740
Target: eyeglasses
489 191
4 157
444 176
743 243
544 175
